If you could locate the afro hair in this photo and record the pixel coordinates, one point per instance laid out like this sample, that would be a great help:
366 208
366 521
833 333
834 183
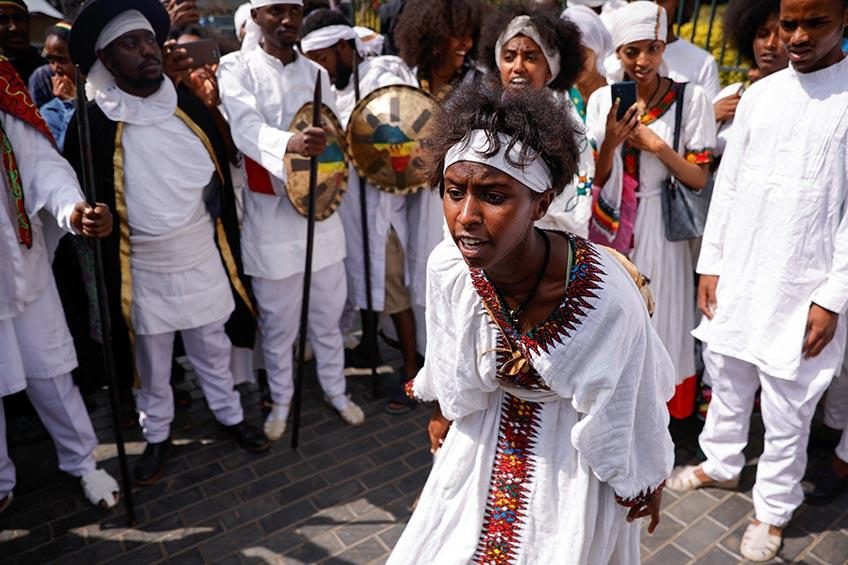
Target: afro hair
559 33
424 27
742 21
524 115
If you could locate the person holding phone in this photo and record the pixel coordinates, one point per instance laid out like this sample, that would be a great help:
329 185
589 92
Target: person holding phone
635 159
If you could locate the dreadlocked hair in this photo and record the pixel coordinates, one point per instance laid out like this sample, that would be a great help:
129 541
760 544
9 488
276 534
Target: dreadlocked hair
563 35
524 115
742 21
425 26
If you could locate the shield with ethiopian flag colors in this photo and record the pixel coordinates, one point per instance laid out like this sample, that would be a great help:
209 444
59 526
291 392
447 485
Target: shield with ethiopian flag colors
384 137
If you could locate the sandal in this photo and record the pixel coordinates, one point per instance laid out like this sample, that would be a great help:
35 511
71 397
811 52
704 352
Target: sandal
684 479
399 404
759 544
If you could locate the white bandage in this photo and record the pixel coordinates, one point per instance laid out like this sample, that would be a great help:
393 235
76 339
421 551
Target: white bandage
523 25
524 165
328 36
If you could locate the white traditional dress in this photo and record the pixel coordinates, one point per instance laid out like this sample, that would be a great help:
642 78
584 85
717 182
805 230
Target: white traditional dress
537 466
667 264
386 211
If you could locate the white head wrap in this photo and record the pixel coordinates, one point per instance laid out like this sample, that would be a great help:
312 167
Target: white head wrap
638 21
240 18
263 3
522 25
530 170
252 31
131 20
328 36
589 3
372 42
594 34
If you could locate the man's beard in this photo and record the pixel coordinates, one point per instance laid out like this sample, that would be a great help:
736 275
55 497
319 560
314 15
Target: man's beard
143 83
343 78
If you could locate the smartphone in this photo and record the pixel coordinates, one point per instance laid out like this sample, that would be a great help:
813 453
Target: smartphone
203 52
625 92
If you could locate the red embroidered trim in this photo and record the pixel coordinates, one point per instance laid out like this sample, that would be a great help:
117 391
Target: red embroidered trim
512 471
703 157
642 498
409 390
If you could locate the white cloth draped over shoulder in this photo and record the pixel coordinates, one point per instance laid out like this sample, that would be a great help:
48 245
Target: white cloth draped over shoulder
260 97
777 232
49 185
385 210
666 263
599 428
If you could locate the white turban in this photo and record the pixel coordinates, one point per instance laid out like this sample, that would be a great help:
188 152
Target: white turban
263 3
240 17
523 25
594 34
372 42
589 3
328 36
99 76
639 21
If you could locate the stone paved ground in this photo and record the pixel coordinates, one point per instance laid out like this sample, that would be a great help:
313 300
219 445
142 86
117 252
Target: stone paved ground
342 498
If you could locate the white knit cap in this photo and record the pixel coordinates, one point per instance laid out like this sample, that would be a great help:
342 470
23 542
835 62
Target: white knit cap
594 34
240 17
638 21
523 25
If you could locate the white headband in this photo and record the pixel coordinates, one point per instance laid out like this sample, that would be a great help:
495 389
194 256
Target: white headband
594 34
530 170
638 21
263 3
131 20
328 36
522 25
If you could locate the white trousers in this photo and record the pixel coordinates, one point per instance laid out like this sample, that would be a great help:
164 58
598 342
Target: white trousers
279 304
787 408
836 410
208 349
59 404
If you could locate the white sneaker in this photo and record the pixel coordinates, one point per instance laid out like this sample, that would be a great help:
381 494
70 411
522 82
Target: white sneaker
352 414
100 488
275 423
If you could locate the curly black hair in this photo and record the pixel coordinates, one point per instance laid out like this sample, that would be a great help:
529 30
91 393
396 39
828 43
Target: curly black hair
743 19
562 34
523 114
322 17
424 27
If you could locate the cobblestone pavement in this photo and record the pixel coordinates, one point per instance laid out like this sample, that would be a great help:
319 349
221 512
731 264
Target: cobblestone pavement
343 497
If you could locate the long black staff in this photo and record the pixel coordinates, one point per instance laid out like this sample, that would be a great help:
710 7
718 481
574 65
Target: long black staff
307 274
88 183
369 334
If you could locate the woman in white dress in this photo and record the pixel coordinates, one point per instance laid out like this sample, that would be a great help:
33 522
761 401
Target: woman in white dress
635 159
550 432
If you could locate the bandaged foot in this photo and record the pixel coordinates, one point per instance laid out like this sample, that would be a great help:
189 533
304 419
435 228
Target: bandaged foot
100 488
760 543
275 423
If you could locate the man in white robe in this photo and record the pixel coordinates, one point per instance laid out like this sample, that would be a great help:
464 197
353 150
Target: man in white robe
175 278
331 41
36 348
774 269
261 91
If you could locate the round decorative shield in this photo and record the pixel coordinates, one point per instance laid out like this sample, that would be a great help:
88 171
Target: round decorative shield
332 166
384 137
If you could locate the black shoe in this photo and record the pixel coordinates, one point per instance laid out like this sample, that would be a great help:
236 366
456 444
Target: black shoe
824 485
151 464
249 438
824 437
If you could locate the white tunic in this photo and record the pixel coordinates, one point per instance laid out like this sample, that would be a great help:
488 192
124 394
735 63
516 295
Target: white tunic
385 210
260 97
667 264
726 127
535 472
777 233
50 185
178 279
686 62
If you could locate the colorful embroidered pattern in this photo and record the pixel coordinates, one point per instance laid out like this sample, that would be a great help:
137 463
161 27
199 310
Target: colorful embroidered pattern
663 105
579 103
703 157
585 279
642 498
16 189
512 471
